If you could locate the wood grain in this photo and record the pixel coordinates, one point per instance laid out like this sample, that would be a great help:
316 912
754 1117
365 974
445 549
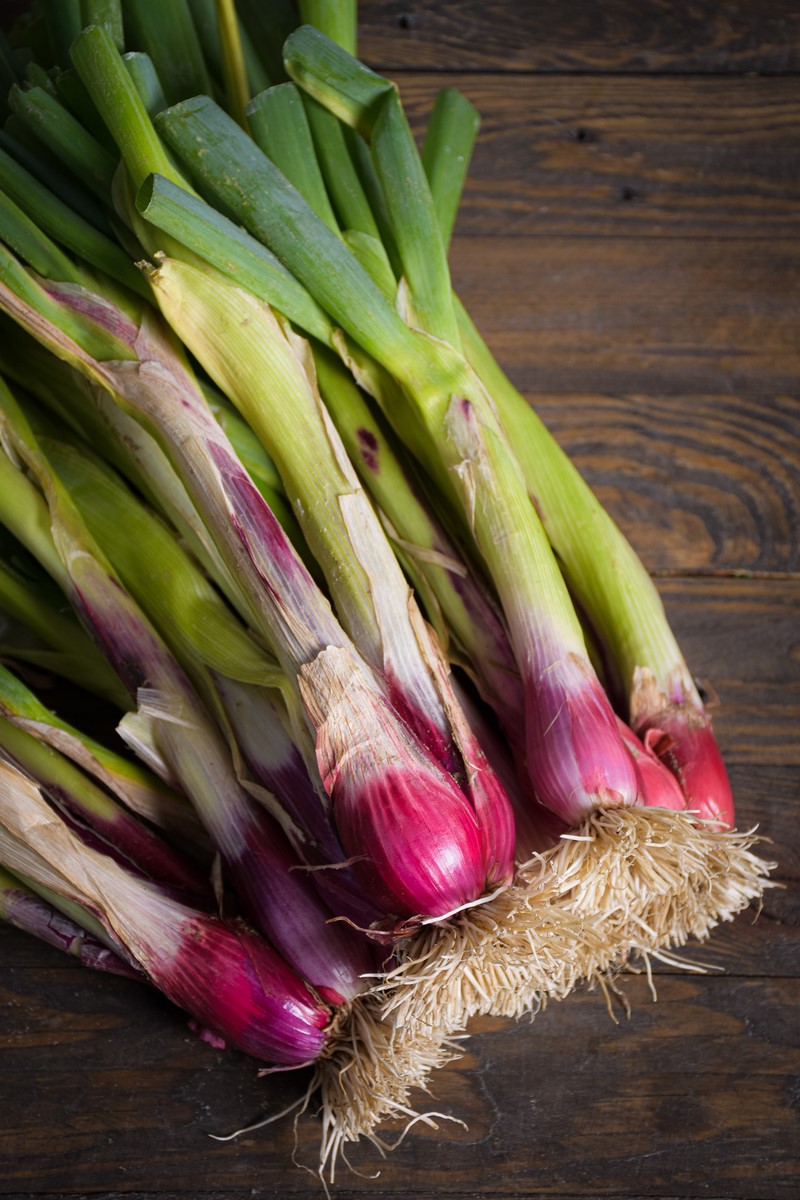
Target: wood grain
697 483
654 1102
627 156
570 35
654 316
742 640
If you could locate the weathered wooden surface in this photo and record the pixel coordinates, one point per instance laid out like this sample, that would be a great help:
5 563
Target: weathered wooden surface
657 1102
698 483
651 315
572 35
610 154
628 245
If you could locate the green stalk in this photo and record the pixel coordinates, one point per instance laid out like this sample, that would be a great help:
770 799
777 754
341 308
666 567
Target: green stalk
66 226
24 513
62 645
601 568
94 414
171 590
114 94
107 14
246 260
9 74
57 773
94 340
63 19
266 373
597 560
337 19
205 22
226 665
462 427
234 72
216 151
446 153
419 540
269 25
457 604
66 138
348 196
73 95
365 169
36 76
372 106
231 250
145 79
25 238
35 159
166 32
279 126
139 789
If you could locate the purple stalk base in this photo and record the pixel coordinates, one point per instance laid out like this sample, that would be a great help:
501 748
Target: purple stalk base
284 902
417 843
296 605
122 836
420 848
659 786
427 732
482 785
576 760
276 764
497 675
152 856
337 885
31 914
235 985
200 898
96 308
117 629
266 873
684 740
534 829
495 817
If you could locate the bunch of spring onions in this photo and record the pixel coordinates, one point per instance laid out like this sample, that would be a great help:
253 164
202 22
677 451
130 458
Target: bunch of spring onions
262 484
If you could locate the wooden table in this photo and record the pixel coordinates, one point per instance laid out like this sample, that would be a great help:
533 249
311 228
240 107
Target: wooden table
628 243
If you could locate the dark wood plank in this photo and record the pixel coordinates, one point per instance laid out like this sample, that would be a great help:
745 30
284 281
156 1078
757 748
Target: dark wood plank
742 640
696 1092
279 1192
571 35
614 155
313 1192
698 483
656 316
